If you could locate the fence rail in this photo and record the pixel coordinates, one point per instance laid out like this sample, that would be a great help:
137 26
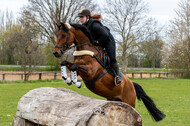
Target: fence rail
12 76
33 76
155 74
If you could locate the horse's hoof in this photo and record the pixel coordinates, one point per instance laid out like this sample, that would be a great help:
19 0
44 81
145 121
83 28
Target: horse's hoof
78 84
68 81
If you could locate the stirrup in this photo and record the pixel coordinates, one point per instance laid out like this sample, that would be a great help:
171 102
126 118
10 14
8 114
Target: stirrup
115 80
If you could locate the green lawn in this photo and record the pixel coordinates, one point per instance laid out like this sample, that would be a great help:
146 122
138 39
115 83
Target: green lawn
170 95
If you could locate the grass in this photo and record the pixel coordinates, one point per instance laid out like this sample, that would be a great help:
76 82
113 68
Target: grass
170 95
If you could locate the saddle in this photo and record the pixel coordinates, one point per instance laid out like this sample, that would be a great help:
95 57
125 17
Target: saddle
90 84
106 64
106 60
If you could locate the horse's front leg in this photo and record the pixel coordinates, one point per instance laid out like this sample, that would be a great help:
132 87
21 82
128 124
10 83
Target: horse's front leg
73 68
65 64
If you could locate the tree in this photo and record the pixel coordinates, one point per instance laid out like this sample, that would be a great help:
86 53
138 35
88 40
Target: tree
28 50
151 51
126 19
179 35
151 48
45 13
6 47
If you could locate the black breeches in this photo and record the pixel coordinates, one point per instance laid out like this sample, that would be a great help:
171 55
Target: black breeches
110 47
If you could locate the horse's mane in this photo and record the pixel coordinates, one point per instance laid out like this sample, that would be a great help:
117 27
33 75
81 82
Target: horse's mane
84 30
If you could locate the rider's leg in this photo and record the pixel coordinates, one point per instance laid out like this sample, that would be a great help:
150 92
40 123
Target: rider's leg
116 69
111 50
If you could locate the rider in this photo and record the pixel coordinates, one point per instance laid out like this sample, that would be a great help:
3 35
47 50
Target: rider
102 36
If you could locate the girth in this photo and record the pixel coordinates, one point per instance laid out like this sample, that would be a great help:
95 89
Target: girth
90 84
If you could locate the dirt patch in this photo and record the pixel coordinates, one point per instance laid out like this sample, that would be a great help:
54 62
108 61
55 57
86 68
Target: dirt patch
19 75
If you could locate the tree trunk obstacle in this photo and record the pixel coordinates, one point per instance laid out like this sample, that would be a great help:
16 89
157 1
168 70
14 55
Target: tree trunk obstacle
62 107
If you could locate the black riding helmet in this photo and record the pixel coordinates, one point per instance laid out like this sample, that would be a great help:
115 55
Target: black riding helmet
84 12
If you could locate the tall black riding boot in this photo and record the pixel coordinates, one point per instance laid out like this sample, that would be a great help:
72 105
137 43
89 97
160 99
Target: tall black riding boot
116 69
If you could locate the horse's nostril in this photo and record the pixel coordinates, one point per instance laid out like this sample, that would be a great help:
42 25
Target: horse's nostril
61 51
56 54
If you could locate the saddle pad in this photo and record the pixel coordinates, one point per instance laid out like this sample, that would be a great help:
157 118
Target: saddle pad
83 52
110 72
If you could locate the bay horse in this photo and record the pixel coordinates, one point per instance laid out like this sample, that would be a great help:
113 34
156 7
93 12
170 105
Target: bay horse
93 74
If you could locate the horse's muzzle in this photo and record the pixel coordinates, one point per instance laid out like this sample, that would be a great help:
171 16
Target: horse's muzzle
56 54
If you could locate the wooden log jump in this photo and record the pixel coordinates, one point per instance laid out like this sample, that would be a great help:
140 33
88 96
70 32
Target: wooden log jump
63 107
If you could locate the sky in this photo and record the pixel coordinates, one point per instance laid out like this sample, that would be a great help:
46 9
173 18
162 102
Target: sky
161 10
12 5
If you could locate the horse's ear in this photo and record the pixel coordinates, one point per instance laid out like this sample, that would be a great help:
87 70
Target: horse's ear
68 25
58 25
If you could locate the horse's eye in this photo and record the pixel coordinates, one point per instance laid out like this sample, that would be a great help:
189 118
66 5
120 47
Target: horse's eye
64 36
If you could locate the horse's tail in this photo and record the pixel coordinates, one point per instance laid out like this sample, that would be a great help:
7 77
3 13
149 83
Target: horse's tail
149 103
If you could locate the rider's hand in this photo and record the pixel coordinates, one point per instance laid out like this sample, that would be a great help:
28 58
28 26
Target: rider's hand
97 43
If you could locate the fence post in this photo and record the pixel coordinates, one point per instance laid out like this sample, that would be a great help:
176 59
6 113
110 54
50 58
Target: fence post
141 75
175 75
150 75
21 76
182 74
133 75
158 75
40 76
55 76
25 76
3 76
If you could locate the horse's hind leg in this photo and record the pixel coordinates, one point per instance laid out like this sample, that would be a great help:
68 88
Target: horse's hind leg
129 93
117 99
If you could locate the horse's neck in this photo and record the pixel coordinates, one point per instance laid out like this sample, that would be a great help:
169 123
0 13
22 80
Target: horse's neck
84 45
82 42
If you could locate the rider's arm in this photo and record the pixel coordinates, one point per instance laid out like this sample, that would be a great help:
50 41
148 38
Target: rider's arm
100 31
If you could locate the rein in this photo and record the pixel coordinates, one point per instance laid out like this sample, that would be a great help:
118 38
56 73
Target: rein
72 46
67 47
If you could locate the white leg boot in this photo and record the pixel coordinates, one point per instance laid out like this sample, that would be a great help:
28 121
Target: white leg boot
74 79
67 79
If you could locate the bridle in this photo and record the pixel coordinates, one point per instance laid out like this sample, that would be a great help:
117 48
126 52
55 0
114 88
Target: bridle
66 45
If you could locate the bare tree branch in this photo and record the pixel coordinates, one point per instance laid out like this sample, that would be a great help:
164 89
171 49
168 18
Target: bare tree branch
45 13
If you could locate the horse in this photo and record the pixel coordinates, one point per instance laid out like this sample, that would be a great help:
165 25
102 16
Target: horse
96 78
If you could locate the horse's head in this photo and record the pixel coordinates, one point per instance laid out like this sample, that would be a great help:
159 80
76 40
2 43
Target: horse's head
65 39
